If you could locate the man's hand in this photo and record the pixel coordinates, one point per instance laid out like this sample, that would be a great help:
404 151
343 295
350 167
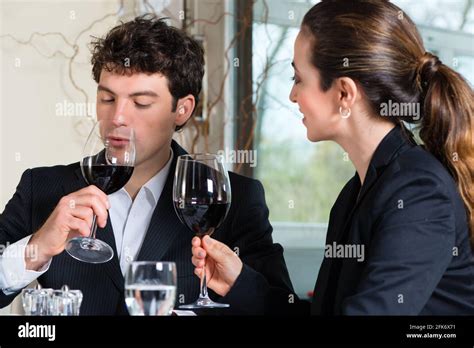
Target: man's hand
71 218
223 266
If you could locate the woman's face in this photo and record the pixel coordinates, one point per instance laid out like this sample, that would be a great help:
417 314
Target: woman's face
320 109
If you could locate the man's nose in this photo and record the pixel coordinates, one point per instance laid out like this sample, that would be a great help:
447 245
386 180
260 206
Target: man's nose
121 114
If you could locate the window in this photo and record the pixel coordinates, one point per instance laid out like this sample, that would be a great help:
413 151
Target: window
302 179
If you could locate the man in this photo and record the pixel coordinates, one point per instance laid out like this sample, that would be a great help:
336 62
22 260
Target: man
149 77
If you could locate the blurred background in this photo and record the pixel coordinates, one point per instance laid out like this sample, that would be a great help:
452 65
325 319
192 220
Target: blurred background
47 97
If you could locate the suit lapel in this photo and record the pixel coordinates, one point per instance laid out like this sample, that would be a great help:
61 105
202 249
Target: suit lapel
112 268
164 225
388 149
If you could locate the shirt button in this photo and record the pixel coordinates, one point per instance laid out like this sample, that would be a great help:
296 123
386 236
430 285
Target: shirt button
128 258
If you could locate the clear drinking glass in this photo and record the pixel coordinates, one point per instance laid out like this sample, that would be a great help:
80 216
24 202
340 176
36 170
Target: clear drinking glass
36 301
40 301
66 302
150 287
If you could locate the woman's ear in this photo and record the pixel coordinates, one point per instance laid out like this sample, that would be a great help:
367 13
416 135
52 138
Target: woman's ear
184 109
347 92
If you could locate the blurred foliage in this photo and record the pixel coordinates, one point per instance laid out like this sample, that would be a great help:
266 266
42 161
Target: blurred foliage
302 182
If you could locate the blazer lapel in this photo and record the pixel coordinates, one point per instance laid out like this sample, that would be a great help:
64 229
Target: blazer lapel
388 149
164 225
112 268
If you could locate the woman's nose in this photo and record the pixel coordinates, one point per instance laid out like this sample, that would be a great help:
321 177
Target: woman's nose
292 95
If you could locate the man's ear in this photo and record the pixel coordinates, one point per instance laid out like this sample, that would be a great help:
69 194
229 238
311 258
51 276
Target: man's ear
347 92
184 109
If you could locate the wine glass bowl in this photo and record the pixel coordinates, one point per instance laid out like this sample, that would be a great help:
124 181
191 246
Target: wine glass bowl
108 163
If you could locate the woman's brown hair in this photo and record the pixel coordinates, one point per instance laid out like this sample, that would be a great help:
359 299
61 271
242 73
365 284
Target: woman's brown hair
378 46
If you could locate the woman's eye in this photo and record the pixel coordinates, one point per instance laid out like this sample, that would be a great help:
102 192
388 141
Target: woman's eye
295 79
107 101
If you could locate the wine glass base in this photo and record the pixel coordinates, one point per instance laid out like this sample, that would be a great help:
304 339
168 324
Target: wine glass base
204 302
89 250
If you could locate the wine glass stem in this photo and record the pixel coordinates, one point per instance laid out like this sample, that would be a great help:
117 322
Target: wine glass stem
203 293
93 227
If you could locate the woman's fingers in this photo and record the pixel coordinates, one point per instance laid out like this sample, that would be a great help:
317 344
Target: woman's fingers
199 252
198 262
196 242
198 271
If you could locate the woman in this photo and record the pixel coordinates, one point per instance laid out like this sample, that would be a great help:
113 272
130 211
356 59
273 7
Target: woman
409 208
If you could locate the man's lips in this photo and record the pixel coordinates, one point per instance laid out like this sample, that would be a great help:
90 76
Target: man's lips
117 141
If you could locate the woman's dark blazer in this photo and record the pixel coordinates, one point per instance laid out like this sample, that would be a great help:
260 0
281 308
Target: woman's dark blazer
410 222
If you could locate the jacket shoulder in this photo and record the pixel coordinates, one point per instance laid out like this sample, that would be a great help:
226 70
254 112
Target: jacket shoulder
419 161
241 181
54 171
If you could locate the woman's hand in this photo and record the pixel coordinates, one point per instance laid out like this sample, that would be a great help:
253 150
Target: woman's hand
223 266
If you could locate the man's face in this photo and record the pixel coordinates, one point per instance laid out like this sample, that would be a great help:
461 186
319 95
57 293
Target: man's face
142 102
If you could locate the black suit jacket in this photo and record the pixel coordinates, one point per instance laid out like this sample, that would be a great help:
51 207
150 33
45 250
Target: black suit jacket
246 228
410 222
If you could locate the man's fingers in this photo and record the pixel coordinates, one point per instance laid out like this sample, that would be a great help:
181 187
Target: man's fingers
94 202
84 213
79 226
94 190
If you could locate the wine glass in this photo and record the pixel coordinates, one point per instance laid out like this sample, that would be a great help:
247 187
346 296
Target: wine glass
202 198
150 288
108 162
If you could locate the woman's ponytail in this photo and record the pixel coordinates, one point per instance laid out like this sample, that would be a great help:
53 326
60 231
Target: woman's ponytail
447 125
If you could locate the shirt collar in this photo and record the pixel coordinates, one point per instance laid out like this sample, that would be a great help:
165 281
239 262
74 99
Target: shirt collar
155 185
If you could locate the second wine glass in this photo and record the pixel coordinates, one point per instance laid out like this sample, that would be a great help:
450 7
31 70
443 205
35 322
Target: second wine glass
202 198
108 163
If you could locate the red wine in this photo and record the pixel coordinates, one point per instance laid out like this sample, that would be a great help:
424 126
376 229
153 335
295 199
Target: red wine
108 178
202 219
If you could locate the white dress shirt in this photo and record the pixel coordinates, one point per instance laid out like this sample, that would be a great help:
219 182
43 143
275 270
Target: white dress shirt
130 220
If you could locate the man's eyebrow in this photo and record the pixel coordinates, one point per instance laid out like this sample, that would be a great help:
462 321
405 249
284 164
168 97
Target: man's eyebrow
103 88
146 93
293 65
136 94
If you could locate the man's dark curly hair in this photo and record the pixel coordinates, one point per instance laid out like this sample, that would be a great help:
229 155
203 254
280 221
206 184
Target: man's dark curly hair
148 44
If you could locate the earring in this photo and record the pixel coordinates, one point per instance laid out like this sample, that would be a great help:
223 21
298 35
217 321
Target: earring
344 113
